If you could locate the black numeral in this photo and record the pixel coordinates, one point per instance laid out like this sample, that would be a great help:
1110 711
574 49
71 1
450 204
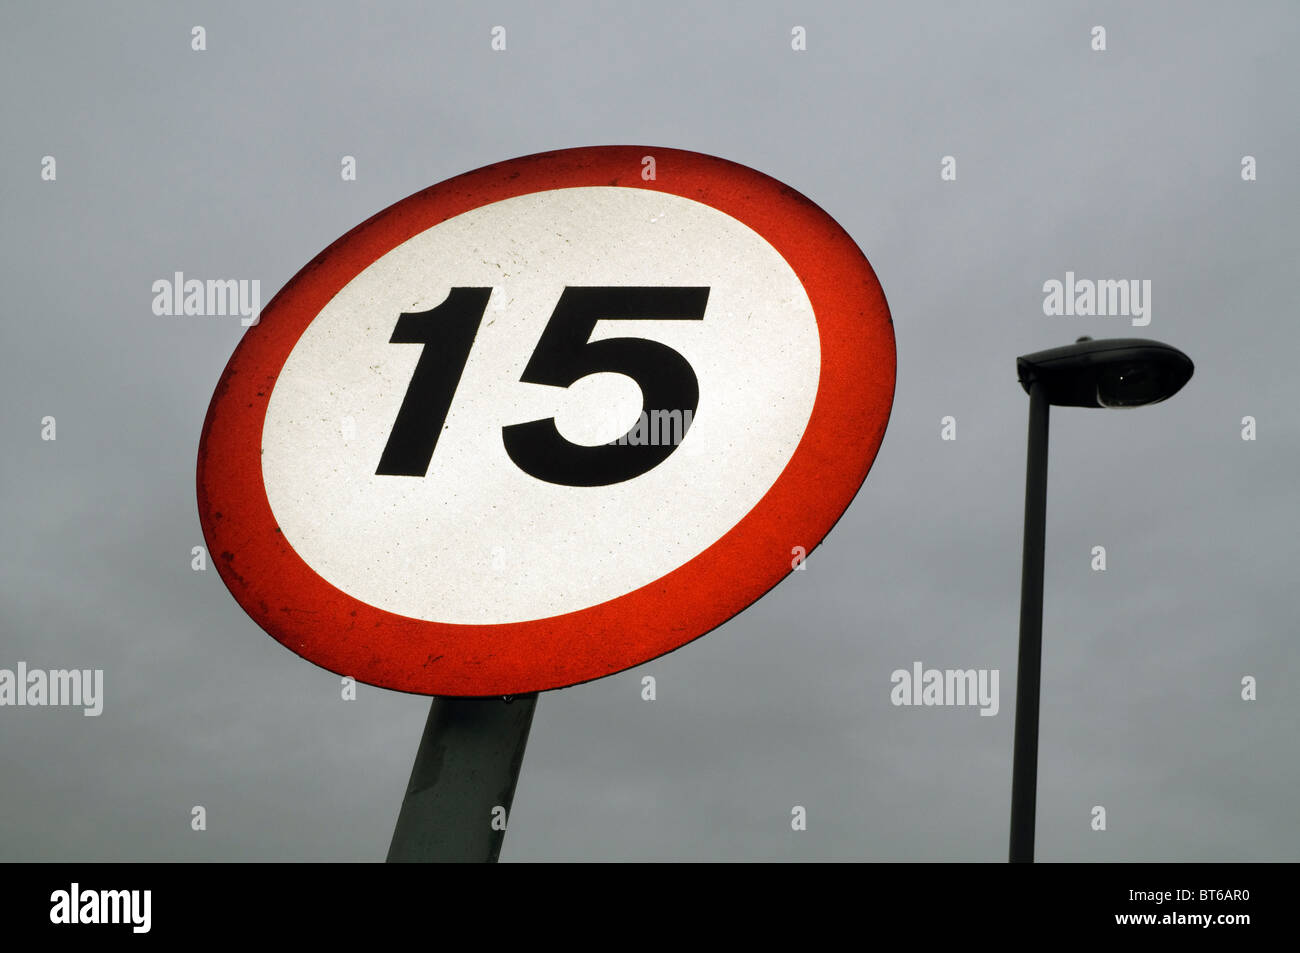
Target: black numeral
564 354
447 333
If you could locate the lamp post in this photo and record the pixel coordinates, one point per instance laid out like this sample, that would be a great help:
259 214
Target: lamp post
1115 373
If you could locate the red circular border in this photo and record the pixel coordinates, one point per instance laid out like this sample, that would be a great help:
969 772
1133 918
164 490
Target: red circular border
336 631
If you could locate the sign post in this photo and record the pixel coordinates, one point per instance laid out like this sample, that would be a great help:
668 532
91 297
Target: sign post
536 425
465 773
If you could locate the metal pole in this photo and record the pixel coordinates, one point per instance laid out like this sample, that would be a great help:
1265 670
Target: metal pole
463 782
1024 770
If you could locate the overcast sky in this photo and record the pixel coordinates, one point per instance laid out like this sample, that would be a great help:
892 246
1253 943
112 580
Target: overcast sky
1117 164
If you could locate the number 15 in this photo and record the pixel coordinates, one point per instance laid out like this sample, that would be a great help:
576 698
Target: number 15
564 354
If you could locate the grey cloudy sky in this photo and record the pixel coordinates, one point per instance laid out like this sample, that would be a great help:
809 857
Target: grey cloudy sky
1122 164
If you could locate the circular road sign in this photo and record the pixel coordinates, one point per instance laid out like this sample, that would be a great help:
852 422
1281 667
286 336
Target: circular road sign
545 421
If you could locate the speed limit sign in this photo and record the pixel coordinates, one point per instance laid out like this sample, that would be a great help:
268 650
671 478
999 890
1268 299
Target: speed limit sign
545 421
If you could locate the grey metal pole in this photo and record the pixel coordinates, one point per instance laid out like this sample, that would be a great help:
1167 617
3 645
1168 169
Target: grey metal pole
463 780
1024 770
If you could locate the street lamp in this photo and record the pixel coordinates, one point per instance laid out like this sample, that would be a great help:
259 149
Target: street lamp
1120 372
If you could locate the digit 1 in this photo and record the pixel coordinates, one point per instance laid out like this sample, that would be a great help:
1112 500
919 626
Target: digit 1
447 333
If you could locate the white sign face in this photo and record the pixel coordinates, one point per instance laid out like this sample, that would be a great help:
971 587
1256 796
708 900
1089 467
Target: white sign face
476 539
545 421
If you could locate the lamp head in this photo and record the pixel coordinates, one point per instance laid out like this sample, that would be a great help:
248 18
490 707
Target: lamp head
1119 372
